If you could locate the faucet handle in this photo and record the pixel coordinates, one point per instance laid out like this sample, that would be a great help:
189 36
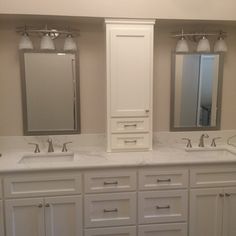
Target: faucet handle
189 144
213 143
64 147
36 150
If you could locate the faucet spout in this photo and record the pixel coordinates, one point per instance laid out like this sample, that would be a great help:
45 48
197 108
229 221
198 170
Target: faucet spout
201 141
50 145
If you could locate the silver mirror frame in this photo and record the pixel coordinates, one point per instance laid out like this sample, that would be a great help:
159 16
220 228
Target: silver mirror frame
26 132
219 93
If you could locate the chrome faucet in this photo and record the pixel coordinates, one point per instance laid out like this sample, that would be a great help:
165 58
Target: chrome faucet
201 141
50 145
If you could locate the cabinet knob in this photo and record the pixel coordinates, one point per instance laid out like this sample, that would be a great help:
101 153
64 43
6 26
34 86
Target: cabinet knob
221 195
227 194
47 205
147 111
40 205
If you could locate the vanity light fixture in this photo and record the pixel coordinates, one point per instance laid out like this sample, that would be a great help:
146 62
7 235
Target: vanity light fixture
70 44
25 42
48 37
182 44
203 44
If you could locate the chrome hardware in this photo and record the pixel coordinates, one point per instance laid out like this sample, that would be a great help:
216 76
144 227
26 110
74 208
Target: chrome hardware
111 183
201 141
64 147
228 141
189 144
50 145
130 141
163 207
47 205
40 205
133 125
111 210
227 194
221 195
163 180
147 111
36 150
213 143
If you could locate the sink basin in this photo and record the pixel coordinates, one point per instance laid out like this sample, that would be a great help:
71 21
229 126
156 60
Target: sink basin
47 157
212 152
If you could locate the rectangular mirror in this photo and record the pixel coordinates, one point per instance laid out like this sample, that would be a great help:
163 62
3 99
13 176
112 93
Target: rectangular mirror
50 92
196 89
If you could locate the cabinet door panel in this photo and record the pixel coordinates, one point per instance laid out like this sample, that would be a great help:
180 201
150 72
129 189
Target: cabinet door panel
130 71
206 209
229 212
25 217
63 216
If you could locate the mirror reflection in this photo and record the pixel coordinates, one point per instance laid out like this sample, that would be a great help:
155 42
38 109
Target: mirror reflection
50 92
196 91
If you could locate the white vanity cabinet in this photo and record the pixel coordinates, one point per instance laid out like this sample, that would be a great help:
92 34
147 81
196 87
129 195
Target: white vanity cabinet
129 59
212 201
27 214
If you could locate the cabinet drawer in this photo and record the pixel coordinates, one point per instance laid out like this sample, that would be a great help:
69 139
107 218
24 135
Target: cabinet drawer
163 230
110 181
32 185
110 209
115 231
129 141
129 125
162 179
212 177
163 206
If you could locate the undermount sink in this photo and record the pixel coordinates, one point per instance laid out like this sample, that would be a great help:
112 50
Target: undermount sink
47 157
211 151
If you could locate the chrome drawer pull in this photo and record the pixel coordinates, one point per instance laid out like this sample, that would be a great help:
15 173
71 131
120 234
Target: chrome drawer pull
221 195
111 183
163 207
47 205
40 205
163 180
130 141
133 125
227 194
111 210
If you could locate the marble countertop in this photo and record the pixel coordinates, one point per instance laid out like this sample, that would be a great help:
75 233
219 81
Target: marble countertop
96 157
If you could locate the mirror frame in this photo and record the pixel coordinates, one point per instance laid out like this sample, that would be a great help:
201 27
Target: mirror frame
24 97
219 92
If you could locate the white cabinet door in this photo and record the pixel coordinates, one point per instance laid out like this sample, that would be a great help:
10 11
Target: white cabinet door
1 220
63 216
206 209
25 217
130 57
229 212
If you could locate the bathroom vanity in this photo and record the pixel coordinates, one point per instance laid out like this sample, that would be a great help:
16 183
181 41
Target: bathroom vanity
164 192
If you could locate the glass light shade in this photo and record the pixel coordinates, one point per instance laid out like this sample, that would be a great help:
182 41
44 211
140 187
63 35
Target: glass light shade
70 44
47 43
220 45
182 45
203 45
25 42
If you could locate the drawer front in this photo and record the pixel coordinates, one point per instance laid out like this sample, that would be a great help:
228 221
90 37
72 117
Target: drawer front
162 179
29 185
115 209
212 177
163 230
110 181
129 125
163 206
129 141
115 231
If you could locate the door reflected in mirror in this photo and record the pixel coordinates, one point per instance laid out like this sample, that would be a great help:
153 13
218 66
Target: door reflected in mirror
50 90
196 91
